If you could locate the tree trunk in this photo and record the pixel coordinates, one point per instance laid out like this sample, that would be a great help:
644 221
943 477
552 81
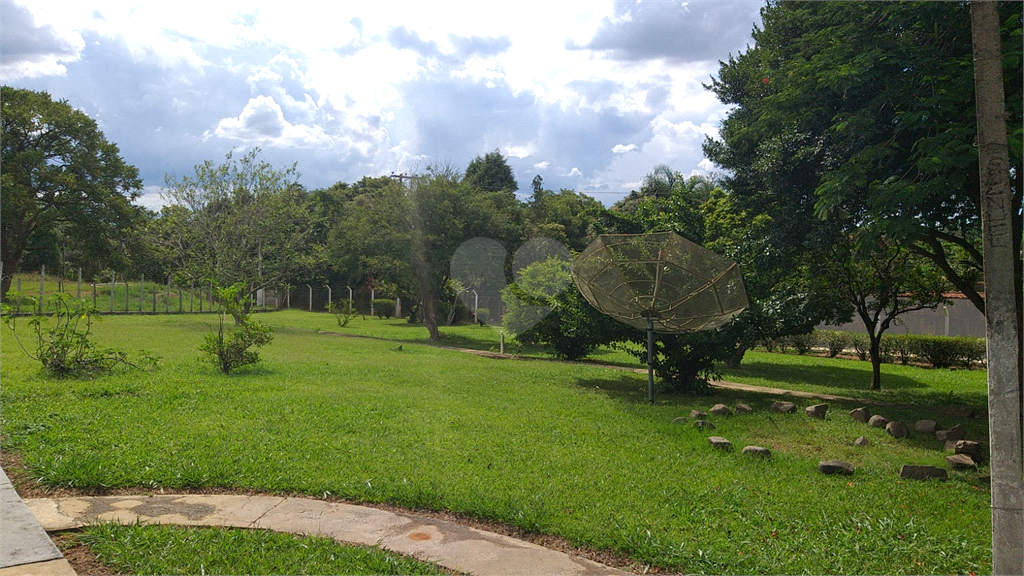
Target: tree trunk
430 317
874 353
1002 296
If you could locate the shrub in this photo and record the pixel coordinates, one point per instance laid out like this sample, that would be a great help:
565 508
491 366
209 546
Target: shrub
384 307
343 312
802 343
946 351
834 341
230 349
860 344
769 344
64 350
900 346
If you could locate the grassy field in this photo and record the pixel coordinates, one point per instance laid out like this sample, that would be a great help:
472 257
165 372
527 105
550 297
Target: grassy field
136 549
565 449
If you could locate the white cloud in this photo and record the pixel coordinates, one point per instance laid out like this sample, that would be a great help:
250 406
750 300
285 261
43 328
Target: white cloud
263 120
542 165
575 172
622 149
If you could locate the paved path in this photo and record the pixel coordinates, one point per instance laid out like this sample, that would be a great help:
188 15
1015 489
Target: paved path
451 545
24 546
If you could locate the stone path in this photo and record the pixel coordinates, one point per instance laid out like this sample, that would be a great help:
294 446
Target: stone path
451 545
24 546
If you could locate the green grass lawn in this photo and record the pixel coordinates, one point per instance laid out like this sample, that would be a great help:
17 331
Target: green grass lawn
137 549
566 449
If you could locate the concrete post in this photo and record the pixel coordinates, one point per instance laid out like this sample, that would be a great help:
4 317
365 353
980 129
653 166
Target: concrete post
42 281
142 290
79 283
113 283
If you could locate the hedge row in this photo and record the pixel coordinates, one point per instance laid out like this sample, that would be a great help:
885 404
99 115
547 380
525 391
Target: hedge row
939 351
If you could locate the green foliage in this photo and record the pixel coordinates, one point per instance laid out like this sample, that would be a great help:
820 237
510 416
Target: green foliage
65 188
482 315
802 343
230 349
861 345
63 348
491 173
834 341
948 351
343 312
384 307
240 221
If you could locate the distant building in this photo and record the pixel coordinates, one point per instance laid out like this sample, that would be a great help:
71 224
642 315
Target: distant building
958 318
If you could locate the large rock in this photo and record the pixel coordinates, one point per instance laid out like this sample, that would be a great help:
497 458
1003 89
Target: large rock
721 410
954 433
925 426
783 407
759 451
911 472
698 415
961 462
950 445
860 414
720 443
973 449
743 409
817 411
878 421
680 420
703 425
861 441
835 467
897 429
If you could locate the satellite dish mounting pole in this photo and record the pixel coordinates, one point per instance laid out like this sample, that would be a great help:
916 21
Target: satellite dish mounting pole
650 360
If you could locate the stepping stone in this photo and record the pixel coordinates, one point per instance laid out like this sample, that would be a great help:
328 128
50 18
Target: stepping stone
743 409
860 414
783 407
911 472
721 410
835 467
925 426
897 429
878 421
720 443
961 462
950 445
862 441
697 414
954 433
703 425
680 420
759 451
817 411
969 447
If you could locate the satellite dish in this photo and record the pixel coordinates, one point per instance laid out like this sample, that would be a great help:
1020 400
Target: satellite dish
659 282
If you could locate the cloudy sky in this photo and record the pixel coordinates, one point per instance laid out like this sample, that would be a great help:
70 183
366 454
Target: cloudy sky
590 95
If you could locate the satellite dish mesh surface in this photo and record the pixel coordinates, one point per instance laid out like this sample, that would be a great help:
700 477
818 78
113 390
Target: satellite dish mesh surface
679 285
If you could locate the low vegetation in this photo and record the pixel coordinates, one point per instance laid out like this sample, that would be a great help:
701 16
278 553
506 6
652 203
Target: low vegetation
565 449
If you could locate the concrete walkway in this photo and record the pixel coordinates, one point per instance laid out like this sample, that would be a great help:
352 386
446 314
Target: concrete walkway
24 546
451 545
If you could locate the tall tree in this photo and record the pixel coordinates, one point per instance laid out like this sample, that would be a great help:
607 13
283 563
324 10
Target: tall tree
62 178
491 173
240 221
865 112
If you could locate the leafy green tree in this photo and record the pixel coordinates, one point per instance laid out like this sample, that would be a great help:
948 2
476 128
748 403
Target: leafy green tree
64 186
881 281
229 349
864 113
491 173
242 221
566 216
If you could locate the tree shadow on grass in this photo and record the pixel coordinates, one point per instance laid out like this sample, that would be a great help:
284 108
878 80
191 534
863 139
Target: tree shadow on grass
851 379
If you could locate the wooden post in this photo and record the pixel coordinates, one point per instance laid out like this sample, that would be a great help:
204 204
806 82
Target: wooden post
42 280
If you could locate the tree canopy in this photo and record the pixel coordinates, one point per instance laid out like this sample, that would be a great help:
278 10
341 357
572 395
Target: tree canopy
863 114
61 179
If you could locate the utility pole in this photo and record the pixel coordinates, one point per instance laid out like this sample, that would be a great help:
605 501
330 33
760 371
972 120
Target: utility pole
402 177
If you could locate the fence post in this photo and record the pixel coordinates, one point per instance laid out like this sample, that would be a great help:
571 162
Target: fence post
167 301
154 297
191 294
329 296
310 297
287 296
113 279
211 295
79 282
42 280
127 294
18 302
94 295
142 290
